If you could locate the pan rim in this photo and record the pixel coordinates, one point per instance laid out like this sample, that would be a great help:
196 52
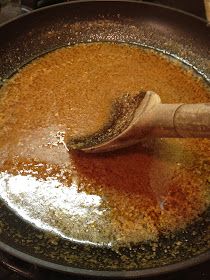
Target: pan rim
105 273
72 2
148 272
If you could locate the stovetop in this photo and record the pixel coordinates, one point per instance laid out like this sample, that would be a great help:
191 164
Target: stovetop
14 269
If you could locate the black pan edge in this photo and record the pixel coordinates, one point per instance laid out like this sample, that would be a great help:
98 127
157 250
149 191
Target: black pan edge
72 2
119 274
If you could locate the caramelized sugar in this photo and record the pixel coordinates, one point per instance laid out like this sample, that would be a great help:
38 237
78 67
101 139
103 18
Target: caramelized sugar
115 198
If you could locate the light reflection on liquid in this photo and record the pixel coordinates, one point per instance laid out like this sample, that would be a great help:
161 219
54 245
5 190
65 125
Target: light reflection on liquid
51 206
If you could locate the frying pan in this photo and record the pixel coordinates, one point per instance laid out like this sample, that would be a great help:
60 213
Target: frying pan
168 30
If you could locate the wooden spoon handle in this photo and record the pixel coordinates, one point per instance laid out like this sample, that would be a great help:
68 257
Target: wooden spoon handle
181 120
193 120
207 9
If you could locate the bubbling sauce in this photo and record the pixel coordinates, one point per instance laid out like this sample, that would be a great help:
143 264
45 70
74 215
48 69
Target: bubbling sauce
131 195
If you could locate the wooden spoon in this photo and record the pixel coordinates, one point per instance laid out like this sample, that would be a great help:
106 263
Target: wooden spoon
134 118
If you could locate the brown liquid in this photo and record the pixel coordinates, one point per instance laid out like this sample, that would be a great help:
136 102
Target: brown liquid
128 195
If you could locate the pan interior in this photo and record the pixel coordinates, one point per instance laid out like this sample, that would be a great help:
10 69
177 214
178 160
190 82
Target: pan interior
191 240
117 201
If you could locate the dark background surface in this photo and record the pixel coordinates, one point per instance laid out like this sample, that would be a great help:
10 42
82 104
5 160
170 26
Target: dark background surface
193 6
14 269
